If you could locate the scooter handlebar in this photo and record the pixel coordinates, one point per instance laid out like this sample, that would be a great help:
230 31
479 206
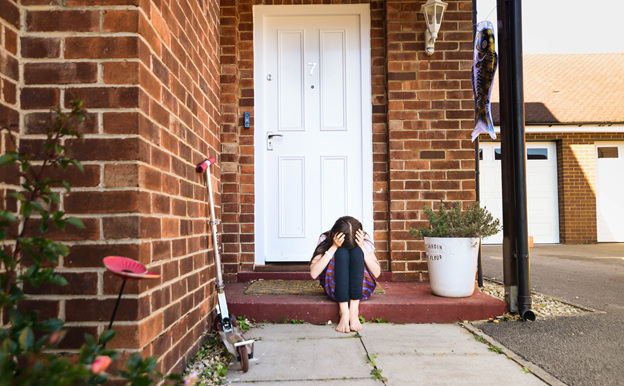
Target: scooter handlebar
205 164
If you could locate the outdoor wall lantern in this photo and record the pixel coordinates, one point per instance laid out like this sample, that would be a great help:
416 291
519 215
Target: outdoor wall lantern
433 11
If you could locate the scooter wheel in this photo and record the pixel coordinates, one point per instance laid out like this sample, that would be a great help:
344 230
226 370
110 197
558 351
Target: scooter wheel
217 325
242 351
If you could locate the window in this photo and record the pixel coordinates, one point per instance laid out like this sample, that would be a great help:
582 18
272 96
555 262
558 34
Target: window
497 154
480 154
537 154
607 152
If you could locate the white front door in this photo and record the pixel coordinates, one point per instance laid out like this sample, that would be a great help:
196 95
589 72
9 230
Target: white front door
609 188
542 192
311 136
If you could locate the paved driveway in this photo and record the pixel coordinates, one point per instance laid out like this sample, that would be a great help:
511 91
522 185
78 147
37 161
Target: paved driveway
579 350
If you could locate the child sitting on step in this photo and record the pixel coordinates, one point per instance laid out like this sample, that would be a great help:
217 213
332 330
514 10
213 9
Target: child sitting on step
345 263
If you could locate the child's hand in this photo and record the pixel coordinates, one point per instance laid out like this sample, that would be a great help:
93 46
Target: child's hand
359 238
338 239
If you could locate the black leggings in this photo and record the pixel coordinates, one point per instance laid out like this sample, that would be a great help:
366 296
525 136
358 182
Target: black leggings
349 273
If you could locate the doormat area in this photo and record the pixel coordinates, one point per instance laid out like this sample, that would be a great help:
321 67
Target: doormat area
291 287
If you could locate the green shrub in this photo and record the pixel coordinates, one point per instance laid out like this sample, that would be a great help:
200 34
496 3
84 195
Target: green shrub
25 259
473 222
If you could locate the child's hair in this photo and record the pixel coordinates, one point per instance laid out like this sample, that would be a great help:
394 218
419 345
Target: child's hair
346 225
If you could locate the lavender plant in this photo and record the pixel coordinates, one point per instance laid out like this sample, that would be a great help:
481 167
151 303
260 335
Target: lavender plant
473 222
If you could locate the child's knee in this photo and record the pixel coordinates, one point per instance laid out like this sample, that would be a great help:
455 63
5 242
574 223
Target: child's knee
342 254
357 253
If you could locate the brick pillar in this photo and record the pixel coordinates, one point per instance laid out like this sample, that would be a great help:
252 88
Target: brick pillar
577 184
380 132
149 76
230 138
246 148
430 117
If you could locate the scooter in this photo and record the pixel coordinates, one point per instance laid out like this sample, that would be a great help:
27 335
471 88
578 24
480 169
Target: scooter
230 334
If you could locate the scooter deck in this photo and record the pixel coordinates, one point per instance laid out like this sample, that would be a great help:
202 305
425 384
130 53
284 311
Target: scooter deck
230 340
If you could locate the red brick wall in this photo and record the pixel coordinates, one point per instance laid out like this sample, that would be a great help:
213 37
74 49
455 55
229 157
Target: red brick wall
576 174
422 118
430 118
148 72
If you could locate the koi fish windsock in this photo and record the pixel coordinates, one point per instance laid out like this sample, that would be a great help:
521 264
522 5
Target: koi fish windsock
483 69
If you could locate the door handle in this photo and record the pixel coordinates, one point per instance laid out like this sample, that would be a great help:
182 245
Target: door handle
270 136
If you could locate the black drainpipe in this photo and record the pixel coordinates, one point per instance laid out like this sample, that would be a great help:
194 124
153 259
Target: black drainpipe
477 168
517 104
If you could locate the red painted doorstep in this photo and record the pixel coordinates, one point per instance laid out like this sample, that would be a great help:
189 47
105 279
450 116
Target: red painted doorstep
248 276
410 302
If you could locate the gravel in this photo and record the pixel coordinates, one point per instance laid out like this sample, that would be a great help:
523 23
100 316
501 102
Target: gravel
542 305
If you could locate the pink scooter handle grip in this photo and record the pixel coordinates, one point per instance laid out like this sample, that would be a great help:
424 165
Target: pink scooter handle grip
205 164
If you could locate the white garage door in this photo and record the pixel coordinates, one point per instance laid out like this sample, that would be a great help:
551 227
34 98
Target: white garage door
542 196
609 188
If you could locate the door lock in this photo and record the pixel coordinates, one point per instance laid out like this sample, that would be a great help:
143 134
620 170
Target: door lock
270 136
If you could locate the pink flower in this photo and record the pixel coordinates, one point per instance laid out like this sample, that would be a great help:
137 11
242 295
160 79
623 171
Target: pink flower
100 364
191 378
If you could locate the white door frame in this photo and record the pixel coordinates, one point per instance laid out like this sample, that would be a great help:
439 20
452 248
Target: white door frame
259 13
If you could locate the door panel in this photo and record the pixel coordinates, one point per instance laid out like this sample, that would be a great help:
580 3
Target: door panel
291 94
333 78
542 190
609 188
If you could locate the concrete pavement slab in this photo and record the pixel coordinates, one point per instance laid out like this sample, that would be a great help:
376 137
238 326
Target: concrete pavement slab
452 370
420 338
412 354
294 356
281 332
322 382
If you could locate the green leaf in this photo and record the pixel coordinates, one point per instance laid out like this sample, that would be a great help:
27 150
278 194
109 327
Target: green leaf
25 166
52 324
75 222
89 340
77 164
54 197
106 336
7 159
142 381
26 338
15 317
27 209
17 196
66 185
58 279
60 224
38 207
8 216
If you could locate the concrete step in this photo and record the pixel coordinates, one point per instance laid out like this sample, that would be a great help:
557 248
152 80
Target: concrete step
403 303
300 275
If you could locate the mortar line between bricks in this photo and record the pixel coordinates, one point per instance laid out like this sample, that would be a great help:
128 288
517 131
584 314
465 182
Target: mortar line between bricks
537 371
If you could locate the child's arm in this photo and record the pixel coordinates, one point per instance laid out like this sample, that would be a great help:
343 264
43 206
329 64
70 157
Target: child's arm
369 257
319 262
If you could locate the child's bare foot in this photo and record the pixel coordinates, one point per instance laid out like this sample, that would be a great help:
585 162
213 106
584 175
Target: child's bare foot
354 316
343 325
354 322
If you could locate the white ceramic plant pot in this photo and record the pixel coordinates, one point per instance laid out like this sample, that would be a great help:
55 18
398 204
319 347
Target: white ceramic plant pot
452 264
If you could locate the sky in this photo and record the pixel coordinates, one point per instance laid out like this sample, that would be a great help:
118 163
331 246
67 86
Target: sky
566 26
